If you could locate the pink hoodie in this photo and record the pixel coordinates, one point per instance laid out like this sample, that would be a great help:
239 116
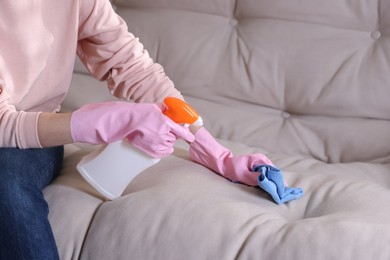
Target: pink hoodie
38 43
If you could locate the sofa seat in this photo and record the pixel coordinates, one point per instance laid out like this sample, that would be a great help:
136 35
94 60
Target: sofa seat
178 209
304 82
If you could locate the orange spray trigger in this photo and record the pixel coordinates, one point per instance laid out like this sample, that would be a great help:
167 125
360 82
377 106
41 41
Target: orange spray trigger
180 112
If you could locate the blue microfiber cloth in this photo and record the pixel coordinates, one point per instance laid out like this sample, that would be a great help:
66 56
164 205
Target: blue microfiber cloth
271 180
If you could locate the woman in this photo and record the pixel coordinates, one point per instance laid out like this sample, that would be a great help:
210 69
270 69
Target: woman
39 42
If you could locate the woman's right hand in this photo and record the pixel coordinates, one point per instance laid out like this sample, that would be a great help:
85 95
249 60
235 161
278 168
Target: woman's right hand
142 124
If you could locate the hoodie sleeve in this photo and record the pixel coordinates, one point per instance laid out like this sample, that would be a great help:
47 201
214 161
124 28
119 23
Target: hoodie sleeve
17 128
111 53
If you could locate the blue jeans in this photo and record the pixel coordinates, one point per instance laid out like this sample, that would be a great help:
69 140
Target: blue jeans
25 231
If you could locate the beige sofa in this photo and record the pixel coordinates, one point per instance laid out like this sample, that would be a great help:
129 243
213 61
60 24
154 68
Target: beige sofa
305 82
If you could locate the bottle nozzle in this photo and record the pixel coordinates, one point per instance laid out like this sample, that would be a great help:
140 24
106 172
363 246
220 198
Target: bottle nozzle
180 112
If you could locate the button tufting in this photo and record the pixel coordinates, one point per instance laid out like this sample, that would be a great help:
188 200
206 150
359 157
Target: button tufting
375 35
233 22
285 115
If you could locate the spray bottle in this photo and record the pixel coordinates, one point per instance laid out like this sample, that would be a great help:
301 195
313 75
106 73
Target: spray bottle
113 166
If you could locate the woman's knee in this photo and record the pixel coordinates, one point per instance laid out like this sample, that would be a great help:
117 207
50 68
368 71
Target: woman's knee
35 167
18 199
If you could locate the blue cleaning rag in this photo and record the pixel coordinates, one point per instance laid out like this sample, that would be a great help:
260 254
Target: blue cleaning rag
271 180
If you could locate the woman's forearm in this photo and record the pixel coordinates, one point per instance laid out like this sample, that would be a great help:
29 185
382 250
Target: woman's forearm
54 129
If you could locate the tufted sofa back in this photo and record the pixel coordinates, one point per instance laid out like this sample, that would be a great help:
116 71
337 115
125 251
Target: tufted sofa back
307 77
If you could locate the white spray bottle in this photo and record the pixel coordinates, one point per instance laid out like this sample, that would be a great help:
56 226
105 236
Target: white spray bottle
112 167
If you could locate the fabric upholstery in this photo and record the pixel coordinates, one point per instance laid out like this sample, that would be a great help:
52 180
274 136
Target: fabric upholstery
305 82
314 73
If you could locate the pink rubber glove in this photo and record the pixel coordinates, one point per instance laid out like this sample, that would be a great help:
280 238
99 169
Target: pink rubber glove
207 151
142 124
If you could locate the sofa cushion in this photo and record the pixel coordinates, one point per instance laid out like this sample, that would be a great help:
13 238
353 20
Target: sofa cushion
317 70
177 209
